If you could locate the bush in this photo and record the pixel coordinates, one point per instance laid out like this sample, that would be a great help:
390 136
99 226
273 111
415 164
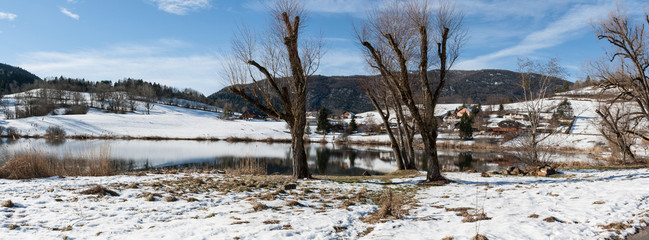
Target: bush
54 132
77 109
2 130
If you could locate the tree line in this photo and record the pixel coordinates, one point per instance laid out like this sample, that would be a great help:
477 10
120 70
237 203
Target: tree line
44 97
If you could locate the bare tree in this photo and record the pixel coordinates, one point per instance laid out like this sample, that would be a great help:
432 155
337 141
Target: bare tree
396 38
617 126
626 73
382 102
536 80
278 68
148 93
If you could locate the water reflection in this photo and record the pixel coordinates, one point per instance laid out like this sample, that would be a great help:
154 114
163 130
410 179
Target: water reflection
322 159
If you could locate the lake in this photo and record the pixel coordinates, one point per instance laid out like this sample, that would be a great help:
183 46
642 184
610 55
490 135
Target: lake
329 159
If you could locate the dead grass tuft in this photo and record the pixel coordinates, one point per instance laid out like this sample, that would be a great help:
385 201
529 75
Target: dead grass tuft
365 232
169 199
616 227
271 222
293 204
390 208
7 204
99 190
257 206
479 237
552 219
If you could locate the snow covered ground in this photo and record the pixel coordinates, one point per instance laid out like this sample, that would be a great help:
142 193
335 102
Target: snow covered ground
579 204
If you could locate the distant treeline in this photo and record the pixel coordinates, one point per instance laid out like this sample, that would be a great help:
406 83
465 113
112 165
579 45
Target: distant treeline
132 86
118 97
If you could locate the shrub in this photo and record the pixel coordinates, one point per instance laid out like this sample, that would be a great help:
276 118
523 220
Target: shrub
77 109
2 130
54 132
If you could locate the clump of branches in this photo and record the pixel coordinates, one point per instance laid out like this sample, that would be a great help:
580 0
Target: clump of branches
278 64
536 80
396 41
626 115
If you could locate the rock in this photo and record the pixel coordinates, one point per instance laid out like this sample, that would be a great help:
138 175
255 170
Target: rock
546 171
484 174
366 174
513 171
290 186
7 204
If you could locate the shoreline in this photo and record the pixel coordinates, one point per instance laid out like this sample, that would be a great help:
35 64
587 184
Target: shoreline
441 144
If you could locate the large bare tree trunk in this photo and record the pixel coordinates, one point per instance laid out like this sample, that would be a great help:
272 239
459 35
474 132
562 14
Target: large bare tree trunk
285 64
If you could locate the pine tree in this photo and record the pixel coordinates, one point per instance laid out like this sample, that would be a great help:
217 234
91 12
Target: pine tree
323 124
352 124
466 130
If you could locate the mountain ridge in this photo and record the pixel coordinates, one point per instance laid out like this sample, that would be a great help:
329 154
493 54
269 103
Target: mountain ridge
345 93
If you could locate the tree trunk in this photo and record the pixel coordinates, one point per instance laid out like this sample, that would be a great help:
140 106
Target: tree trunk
430 150
298 154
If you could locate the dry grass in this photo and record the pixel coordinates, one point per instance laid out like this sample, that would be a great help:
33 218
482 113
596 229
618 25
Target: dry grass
35 164
99 190
391 207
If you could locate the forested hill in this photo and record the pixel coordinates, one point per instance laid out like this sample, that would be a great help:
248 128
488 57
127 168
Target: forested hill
346 93
13 78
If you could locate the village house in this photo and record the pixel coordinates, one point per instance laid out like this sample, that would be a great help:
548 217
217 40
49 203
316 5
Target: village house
347 115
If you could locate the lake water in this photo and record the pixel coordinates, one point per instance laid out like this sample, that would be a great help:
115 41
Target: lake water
327 159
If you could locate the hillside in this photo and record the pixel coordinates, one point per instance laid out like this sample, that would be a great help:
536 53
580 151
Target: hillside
13 78
345 93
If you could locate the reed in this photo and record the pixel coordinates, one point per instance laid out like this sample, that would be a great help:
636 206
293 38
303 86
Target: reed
33 163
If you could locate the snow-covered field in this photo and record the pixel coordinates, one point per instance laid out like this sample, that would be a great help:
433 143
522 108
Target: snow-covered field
579 204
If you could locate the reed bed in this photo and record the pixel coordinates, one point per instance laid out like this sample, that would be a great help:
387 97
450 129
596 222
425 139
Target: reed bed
33 163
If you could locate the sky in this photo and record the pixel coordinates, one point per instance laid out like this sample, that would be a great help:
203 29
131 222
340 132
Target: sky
183 43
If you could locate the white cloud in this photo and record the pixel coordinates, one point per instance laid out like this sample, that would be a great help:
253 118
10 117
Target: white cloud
574 23
150 62
69 14
7 16
181 7
342 62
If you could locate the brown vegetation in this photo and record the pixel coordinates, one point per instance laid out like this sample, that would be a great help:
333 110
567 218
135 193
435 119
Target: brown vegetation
35 164
99 190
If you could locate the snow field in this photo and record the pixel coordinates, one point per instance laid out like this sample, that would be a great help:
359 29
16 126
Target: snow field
583 201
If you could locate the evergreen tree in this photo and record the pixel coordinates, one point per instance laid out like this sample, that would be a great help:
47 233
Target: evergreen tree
501 108
564 109
323 124
466 130
352 124
476 109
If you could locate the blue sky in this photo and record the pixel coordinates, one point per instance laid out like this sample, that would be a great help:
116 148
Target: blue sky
182 43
